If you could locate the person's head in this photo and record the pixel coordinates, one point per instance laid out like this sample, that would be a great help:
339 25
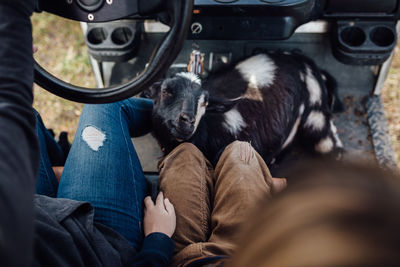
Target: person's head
334 214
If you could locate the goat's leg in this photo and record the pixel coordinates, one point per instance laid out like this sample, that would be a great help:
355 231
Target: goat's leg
320 133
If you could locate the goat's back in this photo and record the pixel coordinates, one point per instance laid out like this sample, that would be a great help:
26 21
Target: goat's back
273 92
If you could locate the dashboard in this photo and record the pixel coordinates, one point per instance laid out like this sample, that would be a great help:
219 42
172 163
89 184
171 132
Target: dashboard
363 32
278 19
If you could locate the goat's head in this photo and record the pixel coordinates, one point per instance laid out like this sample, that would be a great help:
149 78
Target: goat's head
180 103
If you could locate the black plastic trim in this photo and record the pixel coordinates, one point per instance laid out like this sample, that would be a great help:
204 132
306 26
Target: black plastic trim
360 43
90 8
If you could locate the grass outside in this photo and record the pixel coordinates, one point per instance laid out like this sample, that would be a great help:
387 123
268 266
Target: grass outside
391 102
62 50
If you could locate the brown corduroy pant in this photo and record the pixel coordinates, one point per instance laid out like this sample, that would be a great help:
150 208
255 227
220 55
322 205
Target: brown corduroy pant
211 206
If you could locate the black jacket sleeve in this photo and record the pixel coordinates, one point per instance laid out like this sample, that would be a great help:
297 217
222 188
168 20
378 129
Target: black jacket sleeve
19 152
157 250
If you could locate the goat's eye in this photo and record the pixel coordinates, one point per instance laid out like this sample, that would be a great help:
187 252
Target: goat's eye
204 104
166 92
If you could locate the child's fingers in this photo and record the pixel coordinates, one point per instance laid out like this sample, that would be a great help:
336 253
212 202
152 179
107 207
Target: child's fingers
148 202
160 200
169 207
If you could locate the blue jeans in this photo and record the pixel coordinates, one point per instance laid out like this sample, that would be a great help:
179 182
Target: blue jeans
103 168
51 154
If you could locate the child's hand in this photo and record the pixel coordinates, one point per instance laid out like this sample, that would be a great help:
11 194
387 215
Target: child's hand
159 217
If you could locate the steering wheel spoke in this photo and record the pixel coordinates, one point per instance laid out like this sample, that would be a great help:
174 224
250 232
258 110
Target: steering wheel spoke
90 10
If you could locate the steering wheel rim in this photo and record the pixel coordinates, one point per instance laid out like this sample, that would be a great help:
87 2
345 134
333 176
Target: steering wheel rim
161 59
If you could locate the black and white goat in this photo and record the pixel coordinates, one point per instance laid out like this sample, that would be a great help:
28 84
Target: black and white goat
267 99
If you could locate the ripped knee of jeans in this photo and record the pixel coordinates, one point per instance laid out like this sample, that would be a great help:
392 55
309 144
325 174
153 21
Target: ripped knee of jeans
93 137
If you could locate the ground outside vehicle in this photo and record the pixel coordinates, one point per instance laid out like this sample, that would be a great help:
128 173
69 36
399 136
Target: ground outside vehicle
353 40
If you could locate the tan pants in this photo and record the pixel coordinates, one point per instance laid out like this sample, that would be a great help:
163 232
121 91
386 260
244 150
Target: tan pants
211 206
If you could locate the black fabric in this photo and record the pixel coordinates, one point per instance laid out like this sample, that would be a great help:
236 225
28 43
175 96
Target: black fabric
65 233
23 6
19 151
157 250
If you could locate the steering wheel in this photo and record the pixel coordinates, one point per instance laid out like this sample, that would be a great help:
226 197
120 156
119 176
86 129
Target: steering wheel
180 13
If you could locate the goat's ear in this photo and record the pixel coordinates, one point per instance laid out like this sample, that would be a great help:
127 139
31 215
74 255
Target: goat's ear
221 105
153 91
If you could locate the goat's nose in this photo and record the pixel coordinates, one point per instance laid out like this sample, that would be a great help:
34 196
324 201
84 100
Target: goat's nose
184 117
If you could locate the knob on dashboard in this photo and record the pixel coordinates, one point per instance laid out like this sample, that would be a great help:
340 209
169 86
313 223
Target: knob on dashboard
90 5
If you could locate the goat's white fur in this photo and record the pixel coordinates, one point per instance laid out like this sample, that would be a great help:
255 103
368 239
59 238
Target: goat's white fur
301 109
315 120
234 122
201 110
258 70
335 135
313 88
325 145
292 133
296 125
190 76
302 77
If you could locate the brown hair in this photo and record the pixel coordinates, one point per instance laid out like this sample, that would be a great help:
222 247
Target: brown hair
334 214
